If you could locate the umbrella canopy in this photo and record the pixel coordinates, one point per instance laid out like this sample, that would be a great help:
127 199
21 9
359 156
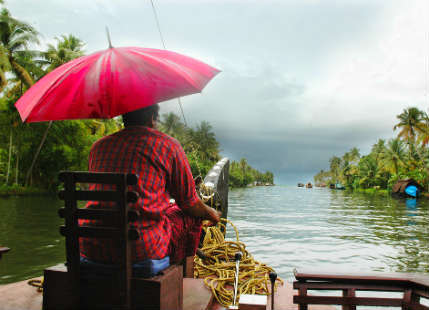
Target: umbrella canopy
112 82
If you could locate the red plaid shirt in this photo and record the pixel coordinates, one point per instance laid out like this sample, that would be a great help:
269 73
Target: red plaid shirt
164 173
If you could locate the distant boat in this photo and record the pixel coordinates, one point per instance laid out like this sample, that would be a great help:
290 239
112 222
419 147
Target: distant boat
339 186
300 185
407 187
336 186
309 185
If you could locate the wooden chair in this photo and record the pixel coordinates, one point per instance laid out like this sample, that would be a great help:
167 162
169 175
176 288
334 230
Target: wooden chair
67 288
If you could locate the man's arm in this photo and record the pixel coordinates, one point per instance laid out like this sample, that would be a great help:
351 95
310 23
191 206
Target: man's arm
203 211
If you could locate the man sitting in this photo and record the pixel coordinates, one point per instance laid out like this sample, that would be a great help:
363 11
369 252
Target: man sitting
166 229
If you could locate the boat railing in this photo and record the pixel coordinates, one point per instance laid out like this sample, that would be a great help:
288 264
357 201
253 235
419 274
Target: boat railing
216 181
413 289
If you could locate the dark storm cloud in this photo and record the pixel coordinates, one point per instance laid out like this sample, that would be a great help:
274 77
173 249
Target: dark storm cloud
258 116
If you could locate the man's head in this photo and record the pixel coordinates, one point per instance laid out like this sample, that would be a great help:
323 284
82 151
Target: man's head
144 117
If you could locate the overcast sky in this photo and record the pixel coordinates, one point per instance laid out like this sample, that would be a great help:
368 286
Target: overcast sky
301 80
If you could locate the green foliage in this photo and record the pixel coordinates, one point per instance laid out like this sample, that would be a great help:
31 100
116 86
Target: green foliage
406 156
68 142
66 147
15 189
202 150
242 174
67 48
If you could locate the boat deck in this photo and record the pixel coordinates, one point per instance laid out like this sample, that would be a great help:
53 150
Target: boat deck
196 296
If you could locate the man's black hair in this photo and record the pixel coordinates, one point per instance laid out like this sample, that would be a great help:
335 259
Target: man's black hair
141 117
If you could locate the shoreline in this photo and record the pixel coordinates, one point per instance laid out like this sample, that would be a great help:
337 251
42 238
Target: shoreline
23 191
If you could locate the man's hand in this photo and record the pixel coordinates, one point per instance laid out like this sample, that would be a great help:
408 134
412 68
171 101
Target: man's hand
203 211
213 217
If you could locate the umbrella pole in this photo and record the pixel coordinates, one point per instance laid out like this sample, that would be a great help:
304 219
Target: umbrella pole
108 37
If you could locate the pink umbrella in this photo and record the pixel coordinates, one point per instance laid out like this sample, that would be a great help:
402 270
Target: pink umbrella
112 82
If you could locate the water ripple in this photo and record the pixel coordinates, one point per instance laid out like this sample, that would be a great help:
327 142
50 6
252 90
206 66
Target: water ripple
289 227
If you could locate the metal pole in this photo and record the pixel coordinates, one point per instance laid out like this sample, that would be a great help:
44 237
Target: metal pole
238 256
273 277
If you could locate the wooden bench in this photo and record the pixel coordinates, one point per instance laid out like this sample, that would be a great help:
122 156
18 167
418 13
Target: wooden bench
3 250
412 288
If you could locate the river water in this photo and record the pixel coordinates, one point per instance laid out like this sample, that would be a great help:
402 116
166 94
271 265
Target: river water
283 226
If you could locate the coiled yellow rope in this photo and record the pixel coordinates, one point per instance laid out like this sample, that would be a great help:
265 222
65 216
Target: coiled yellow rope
218 268
37 283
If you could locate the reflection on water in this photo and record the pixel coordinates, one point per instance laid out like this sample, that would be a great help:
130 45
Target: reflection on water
285 227
29 226
324 229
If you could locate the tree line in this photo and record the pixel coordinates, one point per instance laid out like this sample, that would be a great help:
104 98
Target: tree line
405 156
202 150
64 145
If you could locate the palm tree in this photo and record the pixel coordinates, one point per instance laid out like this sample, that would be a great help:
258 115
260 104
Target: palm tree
205 138
334 165
354 155
378 149
393 156
67 48
15 38
423 137
243 168
172 125
368 170
4 67
347 167
411 122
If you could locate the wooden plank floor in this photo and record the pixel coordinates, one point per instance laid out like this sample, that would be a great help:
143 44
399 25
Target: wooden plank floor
21 296
196 296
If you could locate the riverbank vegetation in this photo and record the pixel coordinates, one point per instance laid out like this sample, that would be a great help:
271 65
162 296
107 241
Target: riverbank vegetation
31 155
403 157
202 150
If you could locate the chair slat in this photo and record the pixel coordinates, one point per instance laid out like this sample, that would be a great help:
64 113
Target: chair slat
99 177
85 195
99 232
91 214
93 195
358 301
340 286
93 232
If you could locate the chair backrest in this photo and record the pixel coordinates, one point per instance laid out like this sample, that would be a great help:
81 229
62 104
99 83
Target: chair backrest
118 230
